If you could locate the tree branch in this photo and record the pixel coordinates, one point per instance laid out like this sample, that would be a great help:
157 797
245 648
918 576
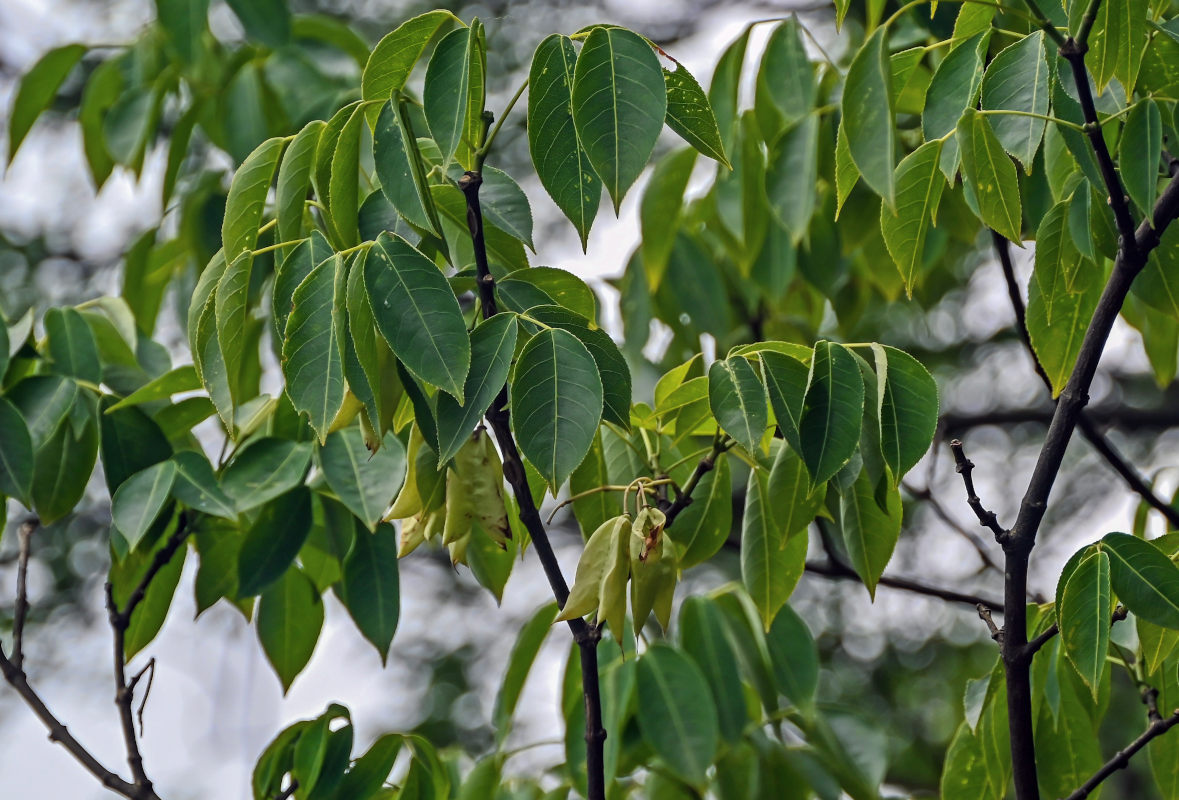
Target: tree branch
20 611
1117 416
838 570
684 498
498 418
1119 614
1121 759
965 467
1095 437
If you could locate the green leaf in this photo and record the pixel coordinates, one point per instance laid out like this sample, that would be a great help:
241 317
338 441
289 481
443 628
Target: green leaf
786 380
185 23
523 656
418 314
795 658
365 482
561 164
312 348
1158 644
294 181
769 570
702 528
342 199
370 587
44 401
989 173
139 500
37 90
16 454
148 617
1145 580
619 105
659 210
369 364
738 401
268 21
454 93
690 115
829 430
196 486
592 509
1083 615
908 413
394 57
792 175
726 80
868 115
266 469
62 467
1158 284
505 205
954 88
1138 153
793 502
919 190
290 616
399 167
964 774
231 311
676 712
1068 742
291 272
1017 80
247 198
703 637
787 71
72 348
869 531
556 396
525 289
174 381
492 346
131 441
273 541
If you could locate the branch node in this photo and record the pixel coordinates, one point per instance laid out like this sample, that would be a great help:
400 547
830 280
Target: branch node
984 613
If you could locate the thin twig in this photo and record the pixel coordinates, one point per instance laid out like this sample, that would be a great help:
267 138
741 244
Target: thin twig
288 792
24 537
720 444
150 671
984 613
835 569
1122 758
965 467
1033 646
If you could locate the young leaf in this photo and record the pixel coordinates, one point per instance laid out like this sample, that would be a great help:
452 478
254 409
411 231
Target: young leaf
908 413
1083 615
677 713
561 164
273 541
365 482
140 499
556 396
453 94
989 173
492 346
919 190
690 115
829 430
769 570
868 115
1017 80
290 616
370 588
418 314
738 401
1145 580
247 198
619 104
1138 153
37 89
659 210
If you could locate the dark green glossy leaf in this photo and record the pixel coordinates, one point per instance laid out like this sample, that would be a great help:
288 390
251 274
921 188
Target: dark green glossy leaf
290 616
738 401
273 540
1017 80
702 528
72 348
196 486
370 588
619 104
291 272
131 441
266 469
312 349
786 380
795 658
492 345
294 181
399 167
394 57
1145 580
690 115
247 198
365 482
148 617
953 89
268 21
769 570
868 115
829 431
454 92
139 500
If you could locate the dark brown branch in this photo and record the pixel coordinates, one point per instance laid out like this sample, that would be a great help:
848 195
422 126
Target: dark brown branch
838 570
24 537
58 732
1096 438
1033 646
498 418
965 467
288 792
1121 759
704 466
1118 416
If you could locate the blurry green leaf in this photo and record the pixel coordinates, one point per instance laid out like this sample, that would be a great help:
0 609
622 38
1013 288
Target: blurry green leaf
619 104
561 164
524 651
268 21
795 658
792 174
790 76
702 636
1158 283
1057 317
738 401
677 713
290 616
131 441
919 190
868 115
185 23
37 90
16 454
72 348
690 115
556 396
659 211
370 588
953 89
418 314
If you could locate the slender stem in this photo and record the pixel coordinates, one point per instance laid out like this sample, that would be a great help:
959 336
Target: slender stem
1045 23
965 467
1087 21
486 147
995 112
720 444
838 570
24 537
277 246
1122 758
498 418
